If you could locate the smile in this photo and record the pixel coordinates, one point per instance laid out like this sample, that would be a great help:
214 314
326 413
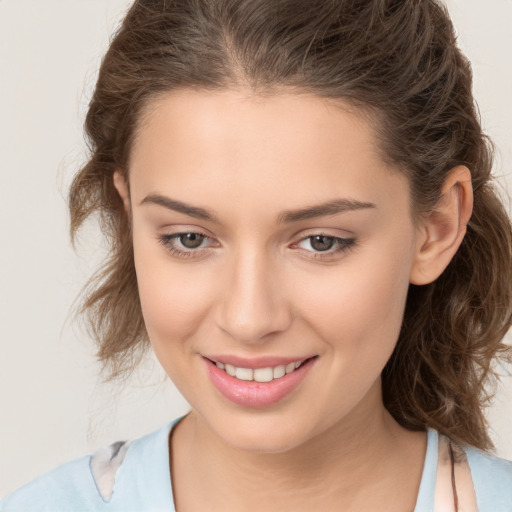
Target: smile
259 383
259 374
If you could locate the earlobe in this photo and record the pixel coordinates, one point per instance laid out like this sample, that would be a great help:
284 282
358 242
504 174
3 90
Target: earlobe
441 234
121 185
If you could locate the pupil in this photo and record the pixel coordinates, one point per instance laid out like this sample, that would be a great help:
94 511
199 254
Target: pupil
322 243
191 240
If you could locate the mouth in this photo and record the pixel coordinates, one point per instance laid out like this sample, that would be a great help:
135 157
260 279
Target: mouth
257 383
267 374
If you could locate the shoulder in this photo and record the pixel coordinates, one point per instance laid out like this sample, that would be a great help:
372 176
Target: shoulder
120 477
66 487
492 479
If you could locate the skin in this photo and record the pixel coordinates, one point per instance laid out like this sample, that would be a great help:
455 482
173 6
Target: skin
257 287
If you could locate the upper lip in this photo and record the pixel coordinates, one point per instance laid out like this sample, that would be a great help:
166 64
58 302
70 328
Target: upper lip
255 362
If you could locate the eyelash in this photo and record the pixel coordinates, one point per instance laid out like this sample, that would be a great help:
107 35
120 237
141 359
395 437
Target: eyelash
341 245
169 241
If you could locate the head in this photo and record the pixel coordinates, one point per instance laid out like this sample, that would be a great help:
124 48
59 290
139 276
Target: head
386 84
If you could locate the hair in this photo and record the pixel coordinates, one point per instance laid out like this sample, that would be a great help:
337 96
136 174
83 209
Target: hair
396 60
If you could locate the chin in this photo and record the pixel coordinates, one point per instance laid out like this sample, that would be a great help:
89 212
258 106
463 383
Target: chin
263 432
265 443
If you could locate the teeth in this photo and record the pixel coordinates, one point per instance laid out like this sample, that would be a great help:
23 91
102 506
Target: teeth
259 374
263 374
244 373
290 367
279 371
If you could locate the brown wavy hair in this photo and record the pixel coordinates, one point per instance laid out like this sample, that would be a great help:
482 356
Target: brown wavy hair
396 60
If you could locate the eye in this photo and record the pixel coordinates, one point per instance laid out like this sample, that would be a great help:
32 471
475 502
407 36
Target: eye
321 242
191 240
322 245
186 245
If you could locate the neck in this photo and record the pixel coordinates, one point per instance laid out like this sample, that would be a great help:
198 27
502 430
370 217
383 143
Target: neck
345 461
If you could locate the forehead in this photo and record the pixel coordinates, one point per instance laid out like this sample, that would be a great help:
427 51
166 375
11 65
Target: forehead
243 116
284 145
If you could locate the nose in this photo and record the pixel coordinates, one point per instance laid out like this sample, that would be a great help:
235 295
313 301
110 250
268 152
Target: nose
253 304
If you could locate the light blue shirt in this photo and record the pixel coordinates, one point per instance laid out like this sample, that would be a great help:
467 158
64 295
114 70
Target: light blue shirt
143 481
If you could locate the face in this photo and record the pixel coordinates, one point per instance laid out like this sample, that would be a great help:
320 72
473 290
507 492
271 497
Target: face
273 250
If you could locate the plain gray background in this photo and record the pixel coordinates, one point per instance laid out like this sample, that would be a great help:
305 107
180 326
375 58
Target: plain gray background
52 405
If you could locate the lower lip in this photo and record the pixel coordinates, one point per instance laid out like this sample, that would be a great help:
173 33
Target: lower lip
249 393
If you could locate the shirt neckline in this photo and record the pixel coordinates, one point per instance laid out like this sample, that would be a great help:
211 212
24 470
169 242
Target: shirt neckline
425 499
158 480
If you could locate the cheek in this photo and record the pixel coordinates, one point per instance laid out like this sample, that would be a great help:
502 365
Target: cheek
359 305
173 297
357 312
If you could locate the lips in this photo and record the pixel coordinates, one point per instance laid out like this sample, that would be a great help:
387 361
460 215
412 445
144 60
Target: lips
266 374
259 382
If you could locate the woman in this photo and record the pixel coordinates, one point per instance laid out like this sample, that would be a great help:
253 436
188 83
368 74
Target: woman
303 228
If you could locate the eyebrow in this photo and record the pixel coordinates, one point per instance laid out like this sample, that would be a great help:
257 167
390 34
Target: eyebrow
179 206
329 208
332 207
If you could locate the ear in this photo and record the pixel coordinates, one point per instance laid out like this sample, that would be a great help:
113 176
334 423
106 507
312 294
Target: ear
440 235
121 185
